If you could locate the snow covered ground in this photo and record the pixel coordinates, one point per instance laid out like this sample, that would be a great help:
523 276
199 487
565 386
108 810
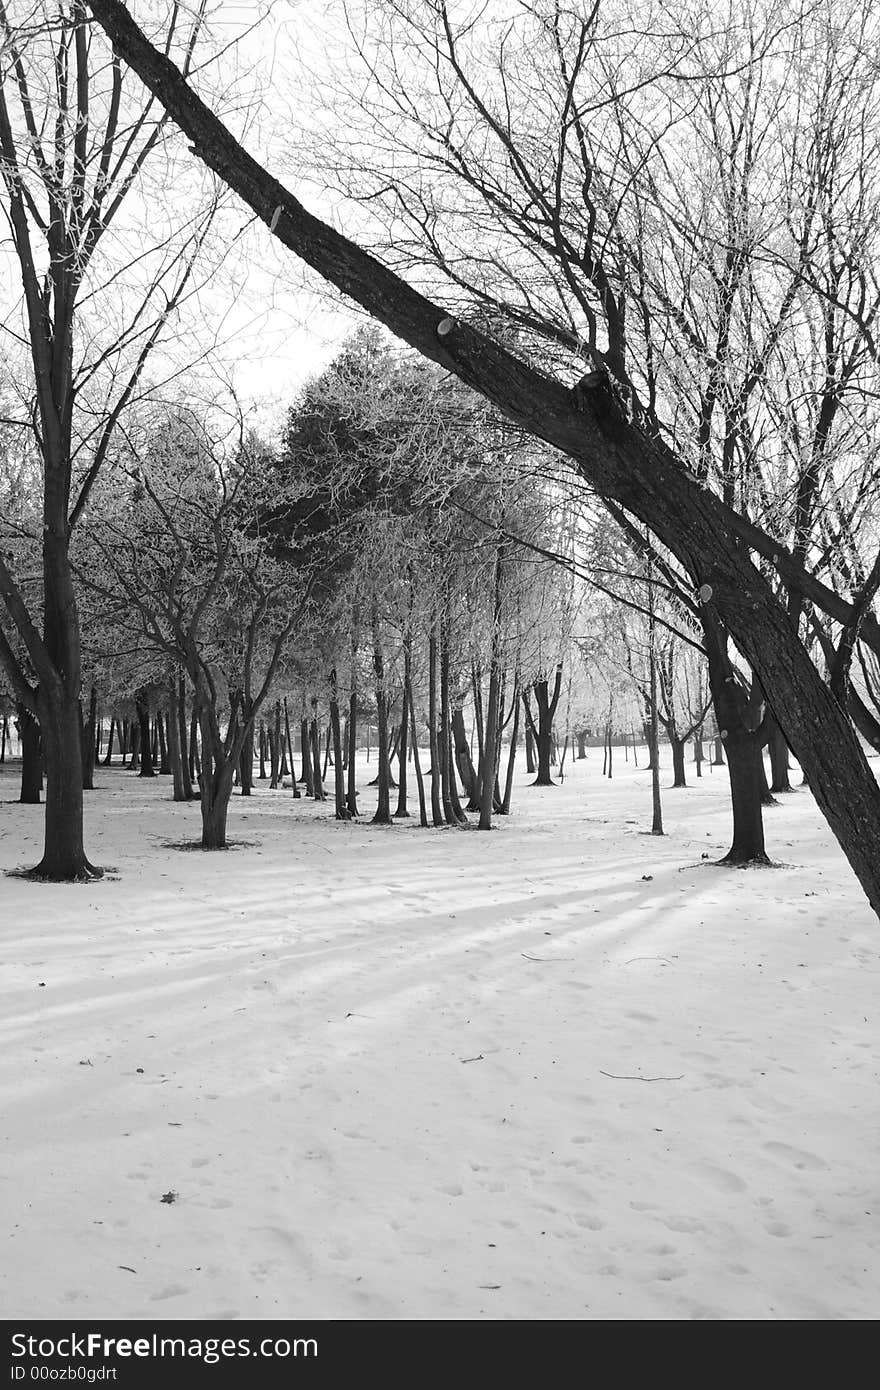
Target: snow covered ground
564 1070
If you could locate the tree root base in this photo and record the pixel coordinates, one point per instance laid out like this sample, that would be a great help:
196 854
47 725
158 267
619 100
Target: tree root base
87 873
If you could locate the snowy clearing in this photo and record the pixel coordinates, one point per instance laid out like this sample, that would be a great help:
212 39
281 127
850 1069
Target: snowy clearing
563 1070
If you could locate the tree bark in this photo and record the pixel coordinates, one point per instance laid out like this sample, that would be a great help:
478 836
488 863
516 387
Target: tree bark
31 758
383 808
342 811
146 747
89 731
175 756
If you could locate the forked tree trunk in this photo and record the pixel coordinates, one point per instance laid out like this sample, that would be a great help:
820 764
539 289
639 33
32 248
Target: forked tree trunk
215 787
466 769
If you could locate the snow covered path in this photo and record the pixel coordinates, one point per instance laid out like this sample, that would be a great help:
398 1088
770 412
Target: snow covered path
408 1074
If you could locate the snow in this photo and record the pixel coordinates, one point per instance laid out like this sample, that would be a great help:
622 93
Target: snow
565 1070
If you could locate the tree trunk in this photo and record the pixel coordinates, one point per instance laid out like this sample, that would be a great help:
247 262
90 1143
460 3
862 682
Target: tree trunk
741 743
351 770
64 857
779 764
511 757
466 769
342 811
315 744
146 748
402 811
531 765
289 741
308 777
164 764
215 788
31 758
175 757
108 755
444 749
89 732
493 711
383 808
718 754
262 747
420 781
185 773
678 770
275 747
581 737
433 741
246 762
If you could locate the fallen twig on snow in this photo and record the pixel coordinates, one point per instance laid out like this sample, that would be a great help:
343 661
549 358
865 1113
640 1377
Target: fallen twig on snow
616 1077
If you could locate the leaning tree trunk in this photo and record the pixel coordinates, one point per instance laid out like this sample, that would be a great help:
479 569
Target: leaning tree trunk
466 769
511 757
295 791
